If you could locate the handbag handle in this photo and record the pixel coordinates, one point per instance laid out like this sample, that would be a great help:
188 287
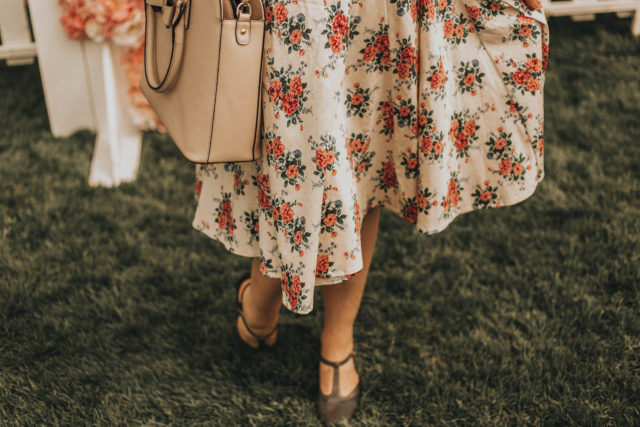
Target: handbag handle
172 12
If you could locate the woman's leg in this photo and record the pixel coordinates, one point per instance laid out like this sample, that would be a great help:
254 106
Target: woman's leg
261 306
341 305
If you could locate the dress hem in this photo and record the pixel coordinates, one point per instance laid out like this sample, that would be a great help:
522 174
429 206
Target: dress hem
522 196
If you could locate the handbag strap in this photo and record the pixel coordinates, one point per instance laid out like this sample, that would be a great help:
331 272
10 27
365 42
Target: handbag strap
173 11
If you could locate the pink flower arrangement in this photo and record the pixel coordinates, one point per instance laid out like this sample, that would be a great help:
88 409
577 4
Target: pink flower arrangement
122 22
119 20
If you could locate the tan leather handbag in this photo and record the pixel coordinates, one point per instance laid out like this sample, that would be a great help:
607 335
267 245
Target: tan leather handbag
203 75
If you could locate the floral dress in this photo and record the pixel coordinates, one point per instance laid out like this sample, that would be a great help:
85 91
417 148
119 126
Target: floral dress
430 108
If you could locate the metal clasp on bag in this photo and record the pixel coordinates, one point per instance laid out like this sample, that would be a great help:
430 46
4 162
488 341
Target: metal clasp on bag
243 22
246 5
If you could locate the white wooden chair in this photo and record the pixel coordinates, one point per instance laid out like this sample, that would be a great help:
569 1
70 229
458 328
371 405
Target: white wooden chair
586 10
82 87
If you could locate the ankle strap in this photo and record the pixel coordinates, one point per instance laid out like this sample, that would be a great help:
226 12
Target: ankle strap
337 364
260 338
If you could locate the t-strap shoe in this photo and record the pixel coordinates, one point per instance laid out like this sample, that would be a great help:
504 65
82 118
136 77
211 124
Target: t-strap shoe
262 345
334 408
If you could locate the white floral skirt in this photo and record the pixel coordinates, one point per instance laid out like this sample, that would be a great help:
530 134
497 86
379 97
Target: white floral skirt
428 108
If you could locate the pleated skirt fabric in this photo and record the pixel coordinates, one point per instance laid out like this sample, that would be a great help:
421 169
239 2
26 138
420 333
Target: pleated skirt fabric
430 108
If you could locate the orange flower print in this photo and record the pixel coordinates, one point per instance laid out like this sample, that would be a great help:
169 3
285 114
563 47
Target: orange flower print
264 200
330 219
280 12
505 166
226 208
470 79
382 43
293 300
295 86
426 144
436 80
295 284
461 142
275 88
414 11
525 20
321 158
389 178
447 29
517 169
520 76
403 69
222 220
455 197
340 24
534 65
286 213
469 127
295 36
524 31
277 147
411 213
438 147
331 156
292 171
473 12
322 264
286 88
463 138
533 85
370 53
263 179
484 196
527 77
336 43
289 103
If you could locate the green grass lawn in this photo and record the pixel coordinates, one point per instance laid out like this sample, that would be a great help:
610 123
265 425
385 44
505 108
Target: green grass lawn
113 309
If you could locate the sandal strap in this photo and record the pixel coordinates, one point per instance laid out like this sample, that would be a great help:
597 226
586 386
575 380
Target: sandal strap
239 299
258 337
336 365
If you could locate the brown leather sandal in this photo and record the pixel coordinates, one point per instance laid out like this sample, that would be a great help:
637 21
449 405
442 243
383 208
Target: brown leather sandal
334 408
262 345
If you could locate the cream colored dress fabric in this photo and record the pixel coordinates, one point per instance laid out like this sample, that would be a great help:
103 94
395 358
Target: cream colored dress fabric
428 108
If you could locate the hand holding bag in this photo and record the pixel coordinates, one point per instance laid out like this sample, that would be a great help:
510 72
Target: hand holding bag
202 75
